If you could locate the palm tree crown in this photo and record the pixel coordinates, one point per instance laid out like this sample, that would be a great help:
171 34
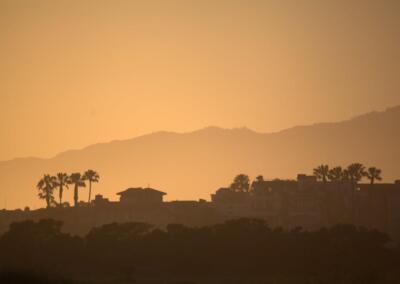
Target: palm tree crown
355 172
373 174
77 180
336 174
46 186
91 176
321 172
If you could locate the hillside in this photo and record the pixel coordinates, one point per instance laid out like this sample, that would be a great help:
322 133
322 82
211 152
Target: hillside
192 165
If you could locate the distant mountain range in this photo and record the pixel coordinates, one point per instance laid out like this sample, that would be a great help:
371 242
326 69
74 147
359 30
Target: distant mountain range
193 165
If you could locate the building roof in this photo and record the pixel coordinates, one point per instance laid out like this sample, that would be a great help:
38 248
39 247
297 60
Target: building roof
140 189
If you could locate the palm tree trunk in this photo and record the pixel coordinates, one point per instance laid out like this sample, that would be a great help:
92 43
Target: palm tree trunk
48 200
61 193
76 195
90 191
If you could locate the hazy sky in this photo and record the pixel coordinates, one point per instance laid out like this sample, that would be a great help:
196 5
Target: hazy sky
73 73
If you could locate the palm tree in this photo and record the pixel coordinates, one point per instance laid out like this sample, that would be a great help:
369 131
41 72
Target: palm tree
336 174
77 180
91 176
355 172
46 187
241 183
321 172
62 181
373 174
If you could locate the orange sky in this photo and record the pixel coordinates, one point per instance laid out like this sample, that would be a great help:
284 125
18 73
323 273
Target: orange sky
73 73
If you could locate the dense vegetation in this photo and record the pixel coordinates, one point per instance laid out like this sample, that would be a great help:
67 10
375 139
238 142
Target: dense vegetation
238 250
353 173
24 277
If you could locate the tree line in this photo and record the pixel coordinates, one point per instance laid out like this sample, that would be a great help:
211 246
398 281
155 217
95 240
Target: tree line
222 253
48 183
354 173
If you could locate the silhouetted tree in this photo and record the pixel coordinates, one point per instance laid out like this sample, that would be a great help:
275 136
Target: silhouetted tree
77 180
241 183
245 248
43 230
373 174
62 181
321 172
91 176
355 172
46 187
335 174
118 231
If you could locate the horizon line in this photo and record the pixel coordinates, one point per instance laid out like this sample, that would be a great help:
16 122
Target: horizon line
198 130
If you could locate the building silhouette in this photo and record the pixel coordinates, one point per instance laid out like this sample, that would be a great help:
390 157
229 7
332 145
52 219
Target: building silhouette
135 196
304 202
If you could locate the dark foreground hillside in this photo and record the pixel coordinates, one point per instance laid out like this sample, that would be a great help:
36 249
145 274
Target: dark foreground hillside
238 251
20 277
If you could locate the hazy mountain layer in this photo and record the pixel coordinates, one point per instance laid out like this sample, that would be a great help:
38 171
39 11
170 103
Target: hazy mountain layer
192 165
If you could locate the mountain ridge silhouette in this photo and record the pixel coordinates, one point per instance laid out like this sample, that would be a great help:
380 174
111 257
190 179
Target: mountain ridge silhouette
193 164
207 128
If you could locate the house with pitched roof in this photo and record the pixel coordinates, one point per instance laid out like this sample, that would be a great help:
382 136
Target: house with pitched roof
142 196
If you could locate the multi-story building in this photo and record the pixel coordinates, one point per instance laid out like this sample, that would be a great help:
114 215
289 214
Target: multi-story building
304 202
311 204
